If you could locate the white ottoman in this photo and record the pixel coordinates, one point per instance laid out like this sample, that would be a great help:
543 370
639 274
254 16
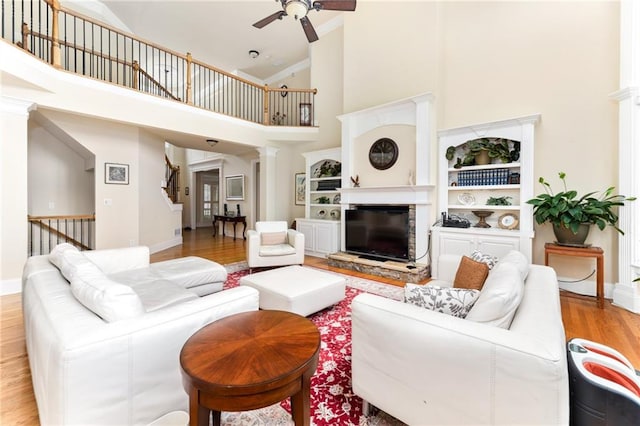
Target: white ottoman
296 289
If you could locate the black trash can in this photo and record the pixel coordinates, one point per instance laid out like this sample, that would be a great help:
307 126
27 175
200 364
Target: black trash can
604 387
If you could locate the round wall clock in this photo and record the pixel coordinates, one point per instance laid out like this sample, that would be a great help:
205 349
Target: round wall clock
383 153
508 221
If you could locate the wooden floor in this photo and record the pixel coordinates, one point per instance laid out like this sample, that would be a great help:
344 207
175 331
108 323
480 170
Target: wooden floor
611 326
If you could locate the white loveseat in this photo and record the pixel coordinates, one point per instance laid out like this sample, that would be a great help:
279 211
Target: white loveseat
89 371
429 368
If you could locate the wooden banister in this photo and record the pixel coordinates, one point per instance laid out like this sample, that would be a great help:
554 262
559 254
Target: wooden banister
123 63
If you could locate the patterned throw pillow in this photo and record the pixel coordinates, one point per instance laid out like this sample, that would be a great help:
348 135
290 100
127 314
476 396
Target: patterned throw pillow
470 274
452 301
484 258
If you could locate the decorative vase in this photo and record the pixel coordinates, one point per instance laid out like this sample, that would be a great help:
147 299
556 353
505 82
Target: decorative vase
482 158
566 237
482 214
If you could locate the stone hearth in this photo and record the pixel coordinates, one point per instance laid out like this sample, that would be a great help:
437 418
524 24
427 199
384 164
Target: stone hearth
388 269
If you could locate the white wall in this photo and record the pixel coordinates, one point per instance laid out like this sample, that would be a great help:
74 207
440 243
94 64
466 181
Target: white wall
125 214
59 183
487 61
160 222
398 174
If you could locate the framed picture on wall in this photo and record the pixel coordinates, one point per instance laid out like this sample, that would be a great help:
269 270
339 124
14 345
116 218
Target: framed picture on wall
116 173
305 114
300 189
235 187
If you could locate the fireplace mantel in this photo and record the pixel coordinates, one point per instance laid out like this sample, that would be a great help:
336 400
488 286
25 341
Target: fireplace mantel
402 194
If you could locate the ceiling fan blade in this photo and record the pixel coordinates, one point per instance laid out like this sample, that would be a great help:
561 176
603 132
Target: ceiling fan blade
346 5
269 19
308 29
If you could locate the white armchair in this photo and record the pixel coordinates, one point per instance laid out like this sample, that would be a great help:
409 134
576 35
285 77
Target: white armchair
273 244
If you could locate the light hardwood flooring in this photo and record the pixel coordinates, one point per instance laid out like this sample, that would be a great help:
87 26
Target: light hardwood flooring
612 326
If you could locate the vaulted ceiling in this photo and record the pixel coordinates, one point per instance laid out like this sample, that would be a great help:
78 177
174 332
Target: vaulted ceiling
220 33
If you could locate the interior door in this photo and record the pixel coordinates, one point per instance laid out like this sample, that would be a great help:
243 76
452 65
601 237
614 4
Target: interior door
208 197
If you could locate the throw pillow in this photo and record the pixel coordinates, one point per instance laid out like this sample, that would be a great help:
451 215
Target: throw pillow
451 301
470 274
75 263
484 258
108 299
55 257
519 260
273 238
500 297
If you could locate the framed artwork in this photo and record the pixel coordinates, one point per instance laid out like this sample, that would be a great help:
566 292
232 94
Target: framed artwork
235 187
300 189
116 173
305 114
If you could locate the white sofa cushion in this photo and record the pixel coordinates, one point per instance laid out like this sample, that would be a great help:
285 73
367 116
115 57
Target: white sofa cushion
159 294
55 257
500 296
106 298
520 262
74 263
277 250
451 301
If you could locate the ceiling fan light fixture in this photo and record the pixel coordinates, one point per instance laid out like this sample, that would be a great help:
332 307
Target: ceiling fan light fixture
296 8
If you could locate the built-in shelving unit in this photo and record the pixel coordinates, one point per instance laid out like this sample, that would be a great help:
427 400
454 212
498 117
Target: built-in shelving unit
321 224
465 188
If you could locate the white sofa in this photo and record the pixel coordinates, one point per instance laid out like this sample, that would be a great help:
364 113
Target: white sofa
88 371
429 368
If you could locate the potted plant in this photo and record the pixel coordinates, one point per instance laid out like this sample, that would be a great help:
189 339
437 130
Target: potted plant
485 150
571 215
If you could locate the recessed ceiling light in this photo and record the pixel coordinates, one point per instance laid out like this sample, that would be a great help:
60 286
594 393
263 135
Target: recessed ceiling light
253 54
212 142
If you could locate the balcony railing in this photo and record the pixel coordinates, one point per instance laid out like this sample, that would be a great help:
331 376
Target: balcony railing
73 42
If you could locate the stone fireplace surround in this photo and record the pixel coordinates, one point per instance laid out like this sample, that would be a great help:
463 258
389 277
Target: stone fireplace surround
415 111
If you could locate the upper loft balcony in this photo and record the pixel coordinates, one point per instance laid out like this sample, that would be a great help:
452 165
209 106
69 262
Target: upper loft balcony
134 69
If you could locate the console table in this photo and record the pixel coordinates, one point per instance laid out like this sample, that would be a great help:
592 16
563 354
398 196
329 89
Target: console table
232 219
248 361
595 252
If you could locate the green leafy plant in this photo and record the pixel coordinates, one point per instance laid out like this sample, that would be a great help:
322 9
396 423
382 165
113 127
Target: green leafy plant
499 201
569 210
323 200
497 148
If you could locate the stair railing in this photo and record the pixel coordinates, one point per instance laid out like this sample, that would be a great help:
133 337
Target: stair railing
73 42
172 176
45 232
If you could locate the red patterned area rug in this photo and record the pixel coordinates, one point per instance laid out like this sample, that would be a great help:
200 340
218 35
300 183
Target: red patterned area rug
332 399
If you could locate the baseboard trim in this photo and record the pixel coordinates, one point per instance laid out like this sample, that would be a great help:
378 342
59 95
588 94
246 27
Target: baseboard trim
165 245
586 288
626 296
12 286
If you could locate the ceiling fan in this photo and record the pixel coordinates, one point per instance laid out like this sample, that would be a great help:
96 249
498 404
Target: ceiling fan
299 9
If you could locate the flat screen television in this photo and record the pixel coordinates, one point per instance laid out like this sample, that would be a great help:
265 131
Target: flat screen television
378 232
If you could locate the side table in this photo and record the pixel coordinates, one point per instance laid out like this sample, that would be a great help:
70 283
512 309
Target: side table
595 252
231 219
248 361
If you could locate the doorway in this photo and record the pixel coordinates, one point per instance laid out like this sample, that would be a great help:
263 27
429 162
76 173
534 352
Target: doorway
207 197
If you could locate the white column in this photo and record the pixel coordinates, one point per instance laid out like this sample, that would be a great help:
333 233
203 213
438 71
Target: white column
268 183
627 292
14 118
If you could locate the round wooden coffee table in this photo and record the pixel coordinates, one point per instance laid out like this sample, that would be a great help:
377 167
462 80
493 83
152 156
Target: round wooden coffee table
248 361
